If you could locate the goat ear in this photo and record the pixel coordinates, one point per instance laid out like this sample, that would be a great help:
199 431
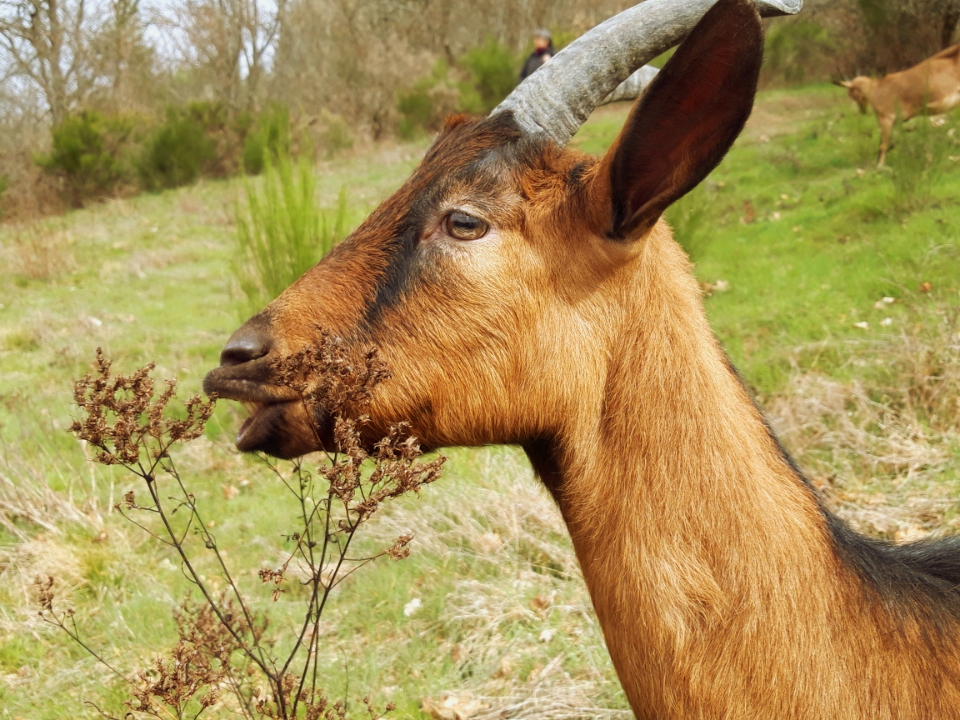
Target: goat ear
685 122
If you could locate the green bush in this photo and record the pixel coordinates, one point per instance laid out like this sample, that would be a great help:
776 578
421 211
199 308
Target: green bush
4 183
416 108
798 51
282 232
177 151
86 153
270 134
484 77
493 72
212 116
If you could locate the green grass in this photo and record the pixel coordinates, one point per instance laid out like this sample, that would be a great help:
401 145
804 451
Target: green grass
808 238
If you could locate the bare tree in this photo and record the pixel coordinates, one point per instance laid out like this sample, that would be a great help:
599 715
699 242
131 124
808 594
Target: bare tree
75 52
353 57
46 43
226 44
122 59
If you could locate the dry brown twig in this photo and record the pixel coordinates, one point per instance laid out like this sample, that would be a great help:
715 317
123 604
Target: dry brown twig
223 645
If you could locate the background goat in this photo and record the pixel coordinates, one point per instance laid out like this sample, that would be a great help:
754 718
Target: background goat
930 88
525 293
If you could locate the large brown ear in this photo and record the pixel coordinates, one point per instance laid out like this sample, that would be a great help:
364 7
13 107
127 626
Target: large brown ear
686 121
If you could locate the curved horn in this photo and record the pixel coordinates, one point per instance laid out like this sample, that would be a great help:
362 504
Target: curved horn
633 86
557 99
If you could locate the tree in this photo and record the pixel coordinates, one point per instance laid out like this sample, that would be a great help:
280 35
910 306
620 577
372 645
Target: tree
901 33
72 51
226 45
46 44
123 59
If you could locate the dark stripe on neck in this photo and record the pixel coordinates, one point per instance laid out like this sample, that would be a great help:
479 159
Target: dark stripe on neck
920 580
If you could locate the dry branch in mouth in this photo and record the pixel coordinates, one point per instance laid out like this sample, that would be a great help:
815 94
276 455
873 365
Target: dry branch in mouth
329 377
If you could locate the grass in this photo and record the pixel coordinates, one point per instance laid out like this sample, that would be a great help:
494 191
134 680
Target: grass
283 233
797 238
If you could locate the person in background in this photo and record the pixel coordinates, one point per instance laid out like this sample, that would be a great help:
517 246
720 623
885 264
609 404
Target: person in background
542 52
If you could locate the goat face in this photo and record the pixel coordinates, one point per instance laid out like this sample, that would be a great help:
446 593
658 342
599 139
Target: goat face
464 279
501 265
859 89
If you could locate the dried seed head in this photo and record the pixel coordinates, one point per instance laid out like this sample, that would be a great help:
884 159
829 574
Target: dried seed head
330 377
44 593
124 422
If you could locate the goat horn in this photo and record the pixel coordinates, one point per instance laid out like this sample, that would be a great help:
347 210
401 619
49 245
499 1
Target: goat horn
557 99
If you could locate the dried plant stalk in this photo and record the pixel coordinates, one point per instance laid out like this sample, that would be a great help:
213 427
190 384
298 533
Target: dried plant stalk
223 645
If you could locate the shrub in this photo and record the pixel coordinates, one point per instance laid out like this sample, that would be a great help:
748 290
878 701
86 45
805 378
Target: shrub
282 233
227 646
486 75
270 135
416 108
177 151
493 72
798 51
86 154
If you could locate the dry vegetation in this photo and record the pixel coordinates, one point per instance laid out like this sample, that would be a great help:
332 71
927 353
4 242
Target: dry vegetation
876 450
39 253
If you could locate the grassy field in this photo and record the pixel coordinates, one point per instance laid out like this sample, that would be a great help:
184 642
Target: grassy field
834 286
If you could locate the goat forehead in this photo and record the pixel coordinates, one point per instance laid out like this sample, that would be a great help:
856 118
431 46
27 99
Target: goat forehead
471 165
479 159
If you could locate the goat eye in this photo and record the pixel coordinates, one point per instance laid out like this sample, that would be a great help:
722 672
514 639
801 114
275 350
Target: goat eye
465 227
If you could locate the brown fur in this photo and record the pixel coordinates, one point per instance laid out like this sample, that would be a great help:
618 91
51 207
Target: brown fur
930 88
575 329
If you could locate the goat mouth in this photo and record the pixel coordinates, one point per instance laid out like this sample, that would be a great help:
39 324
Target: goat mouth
260 428
284 429
277 422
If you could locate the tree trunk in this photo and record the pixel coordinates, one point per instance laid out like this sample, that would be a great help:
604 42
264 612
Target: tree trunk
949 27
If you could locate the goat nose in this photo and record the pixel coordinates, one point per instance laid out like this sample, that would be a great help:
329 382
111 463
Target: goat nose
247 344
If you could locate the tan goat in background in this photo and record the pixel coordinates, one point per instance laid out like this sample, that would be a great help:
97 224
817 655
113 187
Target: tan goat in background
930 88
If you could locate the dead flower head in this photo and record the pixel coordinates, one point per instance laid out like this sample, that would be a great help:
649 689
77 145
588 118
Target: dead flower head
328 376
122 419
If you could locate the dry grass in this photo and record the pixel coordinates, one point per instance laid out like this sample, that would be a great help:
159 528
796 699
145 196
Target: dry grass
840 430
881 450
36 251
26 499
521 630
30 192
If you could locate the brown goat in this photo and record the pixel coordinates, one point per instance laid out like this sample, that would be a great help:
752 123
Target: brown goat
527 294
930 88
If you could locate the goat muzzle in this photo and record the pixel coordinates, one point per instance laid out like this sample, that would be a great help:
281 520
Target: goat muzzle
278 423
